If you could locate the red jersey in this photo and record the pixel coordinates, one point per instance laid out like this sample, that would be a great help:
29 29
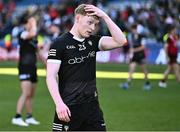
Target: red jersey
172 45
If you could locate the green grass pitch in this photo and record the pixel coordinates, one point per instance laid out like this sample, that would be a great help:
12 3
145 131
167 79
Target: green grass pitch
133 109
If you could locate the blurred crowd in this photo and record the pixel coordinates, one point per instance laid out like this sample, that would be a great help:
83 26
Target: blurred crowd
152 17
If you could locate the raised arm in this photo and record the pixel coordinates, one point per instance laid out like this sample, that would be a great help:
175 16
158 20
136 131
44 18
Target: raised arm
62 110
117 38
31 30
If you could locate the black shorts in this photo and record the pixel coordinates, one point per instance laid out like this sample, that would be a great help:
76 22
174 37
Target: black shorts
138 60
84 117
28 73
172 59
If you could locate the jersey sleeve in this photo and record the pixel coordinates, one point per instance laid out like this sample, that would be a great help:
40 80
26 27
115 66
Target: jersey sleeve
55 52
96 42
24 35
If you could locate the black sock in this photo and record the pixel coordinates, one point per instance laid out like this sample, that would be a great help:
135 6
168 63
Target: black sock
28 115
17 115
147 82
163 80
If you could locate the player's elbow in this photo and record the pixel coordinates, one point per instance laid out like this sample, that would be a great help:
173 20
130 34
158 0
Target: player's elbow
124 41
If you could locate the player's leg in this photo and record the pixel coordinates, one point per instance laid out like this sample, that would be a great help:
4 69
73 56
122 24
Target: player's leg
29 100
144 70
176 70
162 83
132 67
147 85
33 80
25 88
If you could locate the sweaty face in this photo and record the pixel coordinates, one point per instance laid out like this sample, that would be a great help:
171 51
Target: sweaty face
86 25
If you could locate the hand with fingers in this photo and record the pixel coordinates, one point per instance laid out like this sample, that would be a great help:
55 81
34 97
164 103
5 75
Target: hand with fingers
63 112
32 21
93 10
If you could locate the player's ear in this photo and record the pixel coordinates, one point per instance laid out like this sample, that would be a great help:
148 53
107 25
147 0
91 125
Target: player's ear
77 18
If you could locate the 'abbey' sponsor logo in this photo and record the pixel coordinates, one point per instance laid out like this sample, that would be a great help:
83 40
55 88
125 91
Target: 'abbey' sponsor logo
81 59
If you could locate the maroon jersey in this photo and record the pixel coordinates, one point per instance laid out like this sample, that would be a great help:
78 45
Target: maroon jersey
172 46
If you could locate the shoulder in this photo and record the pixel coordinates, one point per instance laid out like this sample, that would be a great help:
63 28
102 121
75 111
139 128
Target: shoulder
60 41
62 38
94 38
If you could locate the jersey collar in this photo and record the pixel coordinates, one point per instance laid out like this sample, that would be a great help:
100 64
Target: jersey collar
78 39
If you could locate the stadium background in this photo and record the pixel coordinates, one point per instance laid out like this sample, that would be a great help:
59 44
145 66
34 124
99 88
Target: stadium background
133 109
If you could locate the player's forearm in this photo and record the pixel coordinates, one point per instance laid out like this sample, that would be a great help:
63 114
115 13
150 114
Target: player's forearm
33 32
53 89
138 49
115 31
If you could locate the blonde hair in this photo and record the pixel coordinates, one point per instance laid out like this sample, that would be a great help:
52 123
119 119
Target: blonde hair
80 10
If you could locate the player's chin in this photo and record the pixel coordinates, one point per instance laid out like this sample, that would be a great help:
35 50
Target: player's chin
86 35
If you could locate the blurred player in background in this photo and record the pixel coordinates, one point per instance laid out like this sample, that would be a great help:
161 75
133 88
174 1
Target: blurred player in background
73 58
171 49
137 55
27 71
54 32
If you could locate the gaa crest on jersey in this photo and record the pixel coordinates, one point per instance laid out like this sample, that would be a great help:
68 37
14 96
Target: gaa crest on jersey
90 42
66 127
81 47
52 52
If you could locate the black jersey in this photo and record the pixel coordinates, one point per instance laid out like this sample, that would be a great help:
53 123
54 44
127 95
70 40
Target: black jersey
27 51
136 40
77 73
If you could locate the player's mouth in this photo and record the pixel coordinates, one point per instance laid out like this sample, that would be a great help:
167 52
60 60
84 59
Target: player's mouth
89 32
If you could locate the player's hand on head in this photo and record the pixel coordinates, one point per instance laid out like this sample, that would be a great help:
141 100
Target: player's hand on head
63 112
93 10
32 20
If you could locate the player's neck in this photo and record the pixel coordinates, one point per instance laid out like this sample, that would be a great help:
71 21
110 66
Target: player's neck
76 35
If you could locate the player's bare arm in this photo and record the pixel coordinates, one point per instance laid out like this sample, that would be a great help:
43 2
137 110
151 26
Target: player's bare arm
62 110
141 48
118 39
31 29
